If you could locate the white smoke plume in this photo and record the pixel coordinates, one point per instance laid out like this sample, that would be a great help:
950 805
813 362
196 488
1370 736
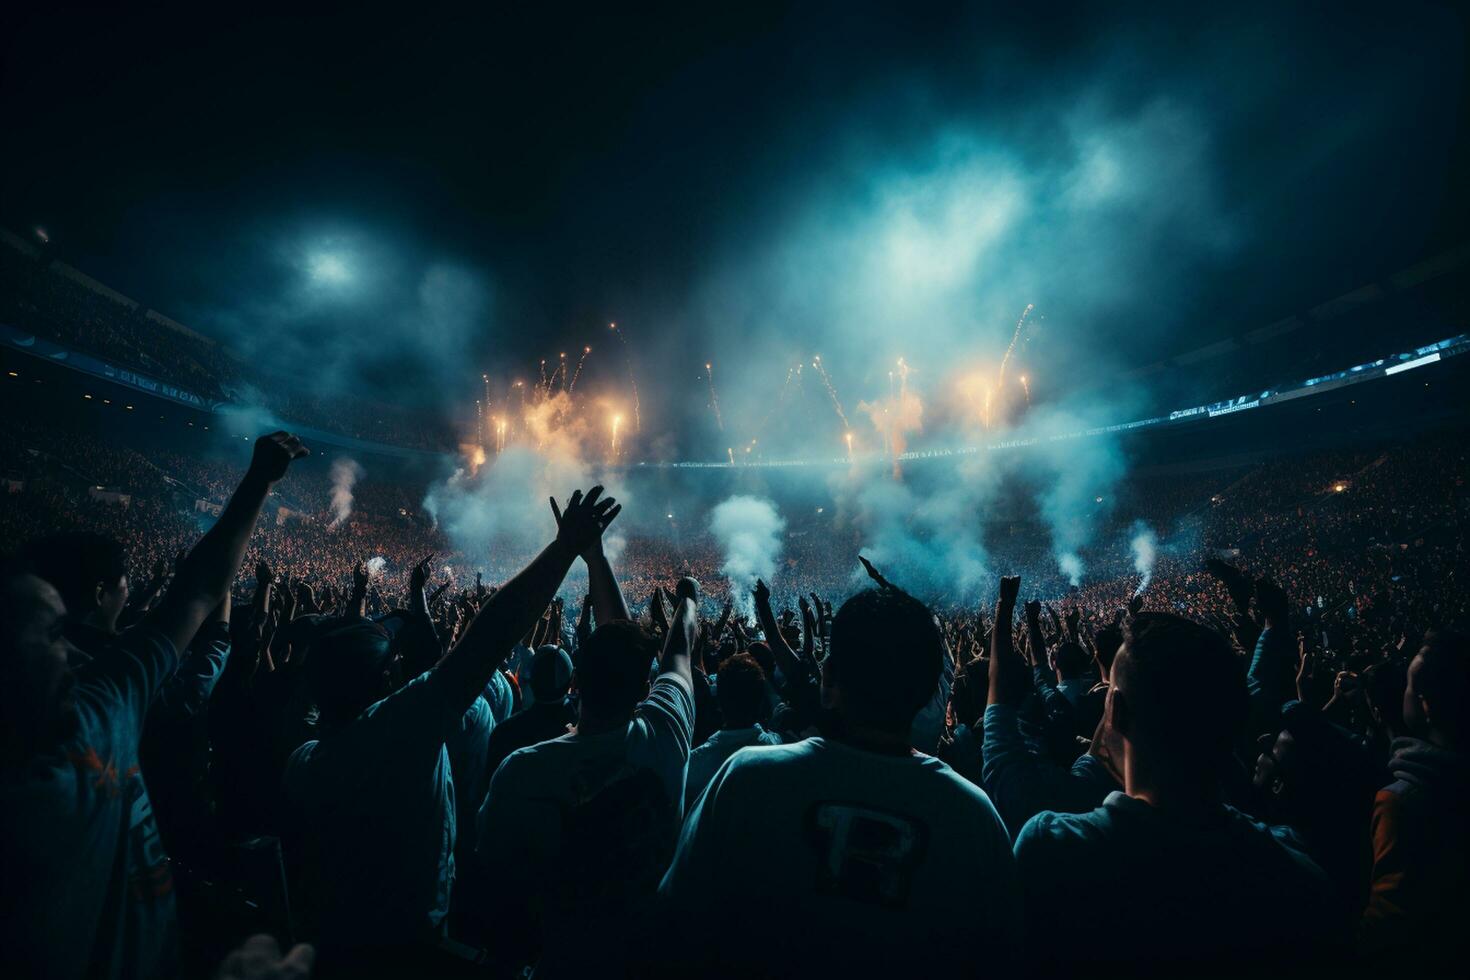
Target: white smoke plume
345 474
1145 547
1071 565
376 566
749 532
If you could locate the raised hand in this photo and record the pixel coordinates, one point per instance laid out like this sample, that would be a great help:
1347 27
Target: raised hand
359 579
1236 582
687 588
273 454
263 575
761 593
1135 604
419 577
1010 588
581 524
1033 610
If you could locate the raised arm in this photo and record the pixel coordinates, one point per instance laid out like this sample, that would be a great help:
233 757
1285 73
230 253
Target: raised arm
606 596
683 633
1008 684
786 658
205 577
515 606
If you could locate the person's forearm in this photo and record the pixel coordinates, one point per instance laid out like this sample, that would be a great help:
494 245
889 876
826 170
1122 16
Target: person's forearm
504 618
679 641
608 603
207 572
786 658
1036 638
1005 680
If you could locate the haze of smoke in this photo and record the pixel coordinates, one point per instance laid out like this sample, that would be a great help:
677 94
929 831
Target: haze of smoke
246 417
749 532
376 566
894 418
1145 547
499 516
345 474
1071 565
923 536
1077 475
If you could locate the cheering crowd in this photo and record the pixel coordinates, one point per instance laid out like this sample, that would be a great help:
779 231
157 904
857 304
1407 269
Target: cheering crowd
1252 764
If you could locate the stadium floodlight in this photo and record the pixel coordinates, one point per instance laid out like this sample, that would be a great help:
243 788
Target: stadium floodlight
326 267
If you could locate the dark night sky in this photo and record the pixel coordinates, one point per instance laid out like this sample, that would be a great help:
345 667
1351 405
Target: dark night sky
605 166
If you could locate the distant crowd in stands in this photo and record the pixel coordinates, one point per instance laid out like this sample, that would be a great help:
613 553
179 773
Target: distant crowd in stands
34 296
1254 764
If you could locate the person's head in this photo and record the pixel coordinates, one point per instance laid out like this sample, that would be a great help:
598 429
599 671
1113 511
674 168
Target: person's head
763 656
1309 770
1072 661
37 706
887 652
611 668
1437 696
1177 697
741 691
90 571
351 668
551 674
1107 641
1383 692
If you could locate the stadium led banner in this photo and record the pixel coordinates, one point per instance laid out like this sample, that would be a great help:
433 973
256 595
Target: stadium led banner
29 343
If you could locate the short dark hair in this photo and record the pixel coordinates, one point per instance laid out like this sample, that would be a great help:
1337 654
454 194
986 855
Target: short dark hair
1444 677
741 691
345 666
75 561
1185 688
1107 641
1072 660
887 652
612 666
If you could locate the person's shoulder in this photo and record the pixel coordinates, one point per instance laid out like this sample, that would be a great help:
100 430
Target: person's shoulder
1276 841
524 762
1050 830
943 774
672 681
298 775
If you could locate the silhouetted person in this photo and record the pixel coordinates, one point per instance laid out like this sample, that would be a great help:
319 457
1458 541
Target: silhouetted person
86 884
740 692
1421 883
1165 874
851 850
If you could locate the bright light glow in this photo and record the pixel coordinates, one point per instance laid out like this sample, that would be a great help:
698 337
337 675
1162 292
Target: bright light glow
326 267
1409 365
1339 487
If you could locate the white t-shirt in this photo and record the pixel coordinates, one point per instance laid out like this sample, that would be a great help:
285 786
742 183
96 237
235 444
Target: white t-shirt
883 861
710 754
588 822
535 786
